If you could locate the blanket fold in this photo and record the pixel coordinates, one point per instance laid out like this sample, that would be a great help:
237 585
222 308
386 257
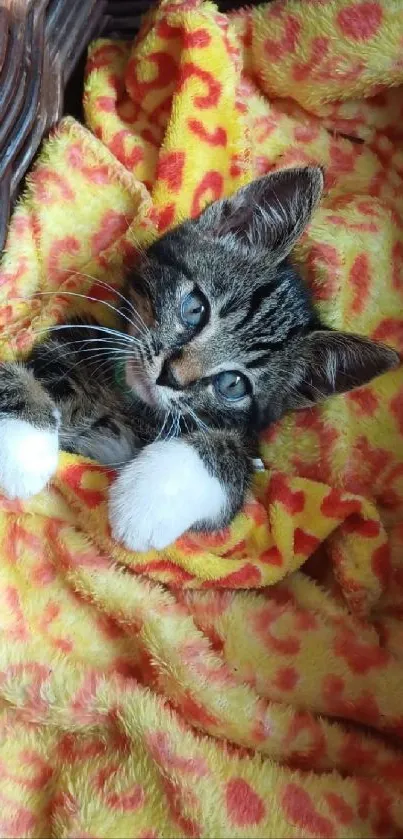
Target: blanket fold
246 683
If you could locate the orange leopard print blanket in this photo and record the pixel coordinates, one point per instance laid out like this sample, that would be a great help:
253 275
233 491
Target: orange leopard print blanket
250 683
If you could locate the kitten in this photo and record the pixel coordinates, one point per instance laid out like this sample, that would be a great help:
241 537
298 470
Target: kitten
218 339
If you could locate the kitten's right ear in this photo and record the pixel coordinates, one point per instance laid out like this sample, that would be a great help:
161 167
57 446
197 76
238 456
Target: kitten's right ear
268 214
329 362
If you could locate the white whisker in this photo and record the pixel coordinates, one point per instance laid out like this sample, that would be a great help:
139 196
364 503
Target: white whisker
121 335
121 296
83 297
107 286
200 424
161 431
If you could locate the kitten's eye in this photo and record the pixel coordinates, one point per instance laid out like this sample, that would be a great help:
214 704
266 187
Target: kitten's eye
231 385
193 308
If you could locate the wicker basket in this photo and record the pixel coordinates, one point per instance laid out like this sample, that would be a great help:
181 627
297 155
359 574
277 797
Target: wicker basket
40 43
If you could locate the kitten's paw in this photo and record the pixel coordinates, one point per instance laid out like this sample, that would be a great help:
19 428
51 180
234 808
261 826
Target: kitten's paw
162 493
28 457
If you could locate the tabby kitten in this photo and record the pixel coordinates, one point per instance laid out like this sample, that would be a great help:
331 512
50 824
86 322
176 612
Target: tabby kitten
218 339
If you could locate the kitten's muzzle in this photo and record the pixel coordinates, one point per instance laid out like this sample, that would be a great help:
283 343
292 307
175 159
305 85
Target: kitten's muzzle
141 385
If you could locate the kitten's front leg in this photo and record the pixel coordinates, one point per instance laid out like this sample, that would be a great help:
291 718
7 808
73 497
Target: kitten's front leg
29 422
197 482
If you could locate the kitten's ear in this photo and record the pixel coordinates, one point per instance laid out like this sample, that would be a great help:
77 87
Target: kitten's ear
269 214
330 362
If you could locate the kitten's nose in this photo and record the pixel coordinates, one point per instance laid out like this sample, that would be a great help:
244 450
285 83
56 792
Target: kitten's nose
167 378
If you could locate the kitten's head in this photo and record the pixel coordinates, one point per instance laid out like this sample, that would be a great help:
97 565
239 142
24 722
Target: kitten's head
228 331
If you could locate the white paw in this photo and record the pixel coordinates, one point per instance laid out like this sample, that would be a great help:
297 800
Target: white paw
28 457
162 493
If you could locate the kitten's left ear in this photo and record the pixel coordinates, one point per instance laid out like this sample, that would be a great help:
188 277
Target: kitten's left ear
268 214
330 362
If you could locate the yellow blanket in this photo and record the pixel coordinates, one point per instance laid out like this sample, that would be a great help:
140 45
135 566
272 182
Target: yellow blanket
155 695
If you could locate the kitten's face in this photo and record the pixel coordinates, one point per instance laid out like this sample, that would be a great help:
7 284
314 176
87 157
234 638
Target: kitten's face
226 330
217 329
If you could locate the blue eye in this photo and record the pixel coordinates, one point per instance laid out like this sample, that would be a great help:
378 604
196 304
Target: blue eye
231 385
193 308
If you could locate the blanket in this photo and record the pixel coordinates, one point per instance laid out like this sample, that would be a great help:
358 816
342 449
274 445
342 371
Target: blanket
247 683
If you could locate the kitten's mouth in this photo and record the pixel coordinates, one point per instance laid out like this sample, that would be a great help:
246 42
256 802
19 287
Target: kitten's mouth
142 387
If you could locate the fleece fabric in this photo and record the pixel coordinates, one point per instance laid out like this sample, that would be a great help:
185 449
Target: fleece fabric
249 683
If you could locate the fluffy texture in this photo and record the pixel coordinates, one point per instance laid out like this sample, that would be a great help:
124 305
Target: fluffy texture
28 457
153 694
164 491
